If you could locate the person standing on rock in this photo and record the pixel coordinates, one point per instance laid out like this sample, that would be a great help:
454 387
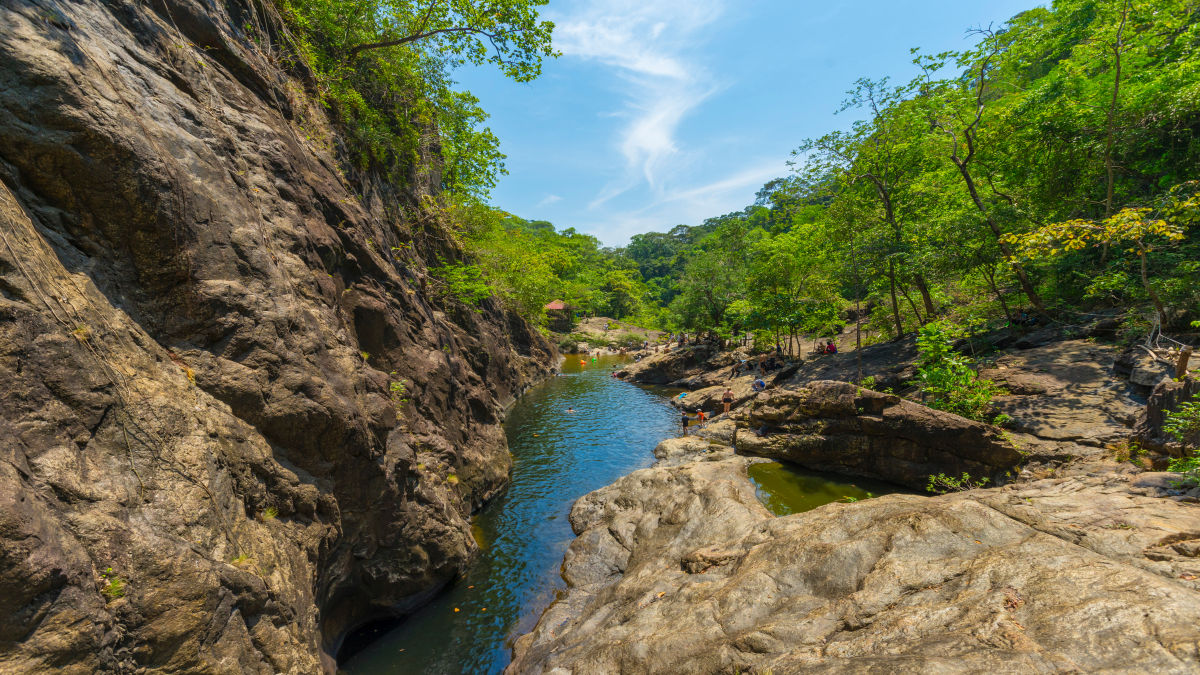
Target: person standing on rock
727 399
686 421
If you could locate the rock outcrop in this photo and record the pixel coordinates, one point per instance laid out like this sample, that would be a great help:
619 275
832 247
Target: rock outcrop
1165 398
678 569
234 423
1066 391
673 365
841 428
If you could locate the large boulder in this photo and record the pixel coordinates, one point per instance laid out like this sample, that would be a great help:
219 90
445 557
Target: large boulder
680 570
836 426
671 365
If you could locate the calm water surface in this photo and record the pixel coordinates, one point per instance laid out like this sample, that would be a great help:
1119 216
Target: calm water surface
786 488
557 458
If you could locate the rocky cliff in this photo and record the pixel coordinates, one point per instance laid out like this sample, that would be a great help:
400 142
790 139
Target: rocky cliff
234 422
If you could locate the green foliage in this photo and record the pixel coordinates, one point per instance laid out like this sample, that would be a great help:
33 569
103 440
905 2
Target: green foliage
946 376
111 585
942 483
1189 467
529 263
630 341
398 393
1183 422
383 67
462 281
270 513
935 199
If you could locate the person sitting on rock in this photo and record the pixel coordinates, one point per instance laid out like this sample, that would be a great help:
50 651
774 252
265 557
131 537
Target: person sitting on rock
831 348
758 385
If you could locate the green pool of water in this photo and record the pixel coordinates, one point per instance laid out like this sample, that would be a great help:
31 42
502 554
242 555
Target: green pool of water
786 488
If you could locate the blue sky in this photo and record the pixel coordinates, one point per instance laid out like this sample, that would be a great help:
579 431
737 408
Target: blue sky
661 112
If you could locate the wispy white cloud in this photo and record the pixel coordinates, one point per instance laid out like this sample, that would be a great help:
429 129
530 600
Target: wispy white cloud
647 42
549 199
689 205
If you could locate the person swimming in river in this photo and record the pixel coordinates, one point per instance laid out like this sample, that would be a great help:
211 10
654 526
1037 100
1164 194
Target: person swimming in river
570 409
727 399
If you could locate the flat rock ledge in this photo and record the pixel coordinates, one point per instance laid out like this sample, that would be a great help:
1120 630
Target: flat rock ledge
839 427
679 569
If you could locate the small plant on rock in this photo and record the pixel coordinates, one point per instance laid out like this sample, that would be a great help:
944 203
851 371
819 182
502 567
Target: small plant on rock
398 392
111 585
270 513
940 483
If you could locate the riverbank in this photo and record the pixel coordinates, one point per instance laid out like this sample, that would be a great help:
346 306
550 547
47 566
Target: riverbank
557 457
1084 558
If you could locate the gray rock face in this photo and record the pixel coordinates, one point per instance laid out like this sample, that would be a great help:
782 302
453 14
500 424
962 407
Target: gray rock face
836 426
1066 391
200 318
678 569
673 365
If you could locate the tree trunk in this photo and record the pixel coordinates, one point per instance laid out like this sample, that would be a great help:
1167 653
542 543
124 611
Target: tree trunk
912 304
919 282
1026 285
1112 112
895 301
990 275
1158 304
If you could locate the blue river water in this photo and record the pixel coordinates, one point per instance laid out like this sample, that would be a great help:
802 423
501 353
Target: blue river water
558 456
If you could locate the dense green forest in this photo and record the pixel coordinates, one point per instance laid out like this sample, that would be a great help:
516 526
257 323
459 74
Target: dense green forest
1049 170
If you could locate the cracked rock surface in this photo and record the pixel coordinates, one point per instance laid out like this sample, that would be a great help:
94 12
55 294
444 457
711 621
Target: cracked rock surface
679 569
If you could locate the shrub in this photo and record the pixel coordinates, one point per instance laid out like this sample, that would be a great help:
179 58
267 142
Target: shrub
941 483
1184 421
1189 467
568 345
946 376
631 341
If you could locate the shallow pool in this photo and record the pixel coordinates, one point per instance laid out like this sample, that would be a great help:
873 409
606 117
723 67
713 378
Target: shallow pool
787 488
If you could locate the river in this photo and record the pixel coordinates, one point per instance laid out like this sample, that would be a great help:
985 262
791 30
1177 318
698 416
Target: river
558 456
